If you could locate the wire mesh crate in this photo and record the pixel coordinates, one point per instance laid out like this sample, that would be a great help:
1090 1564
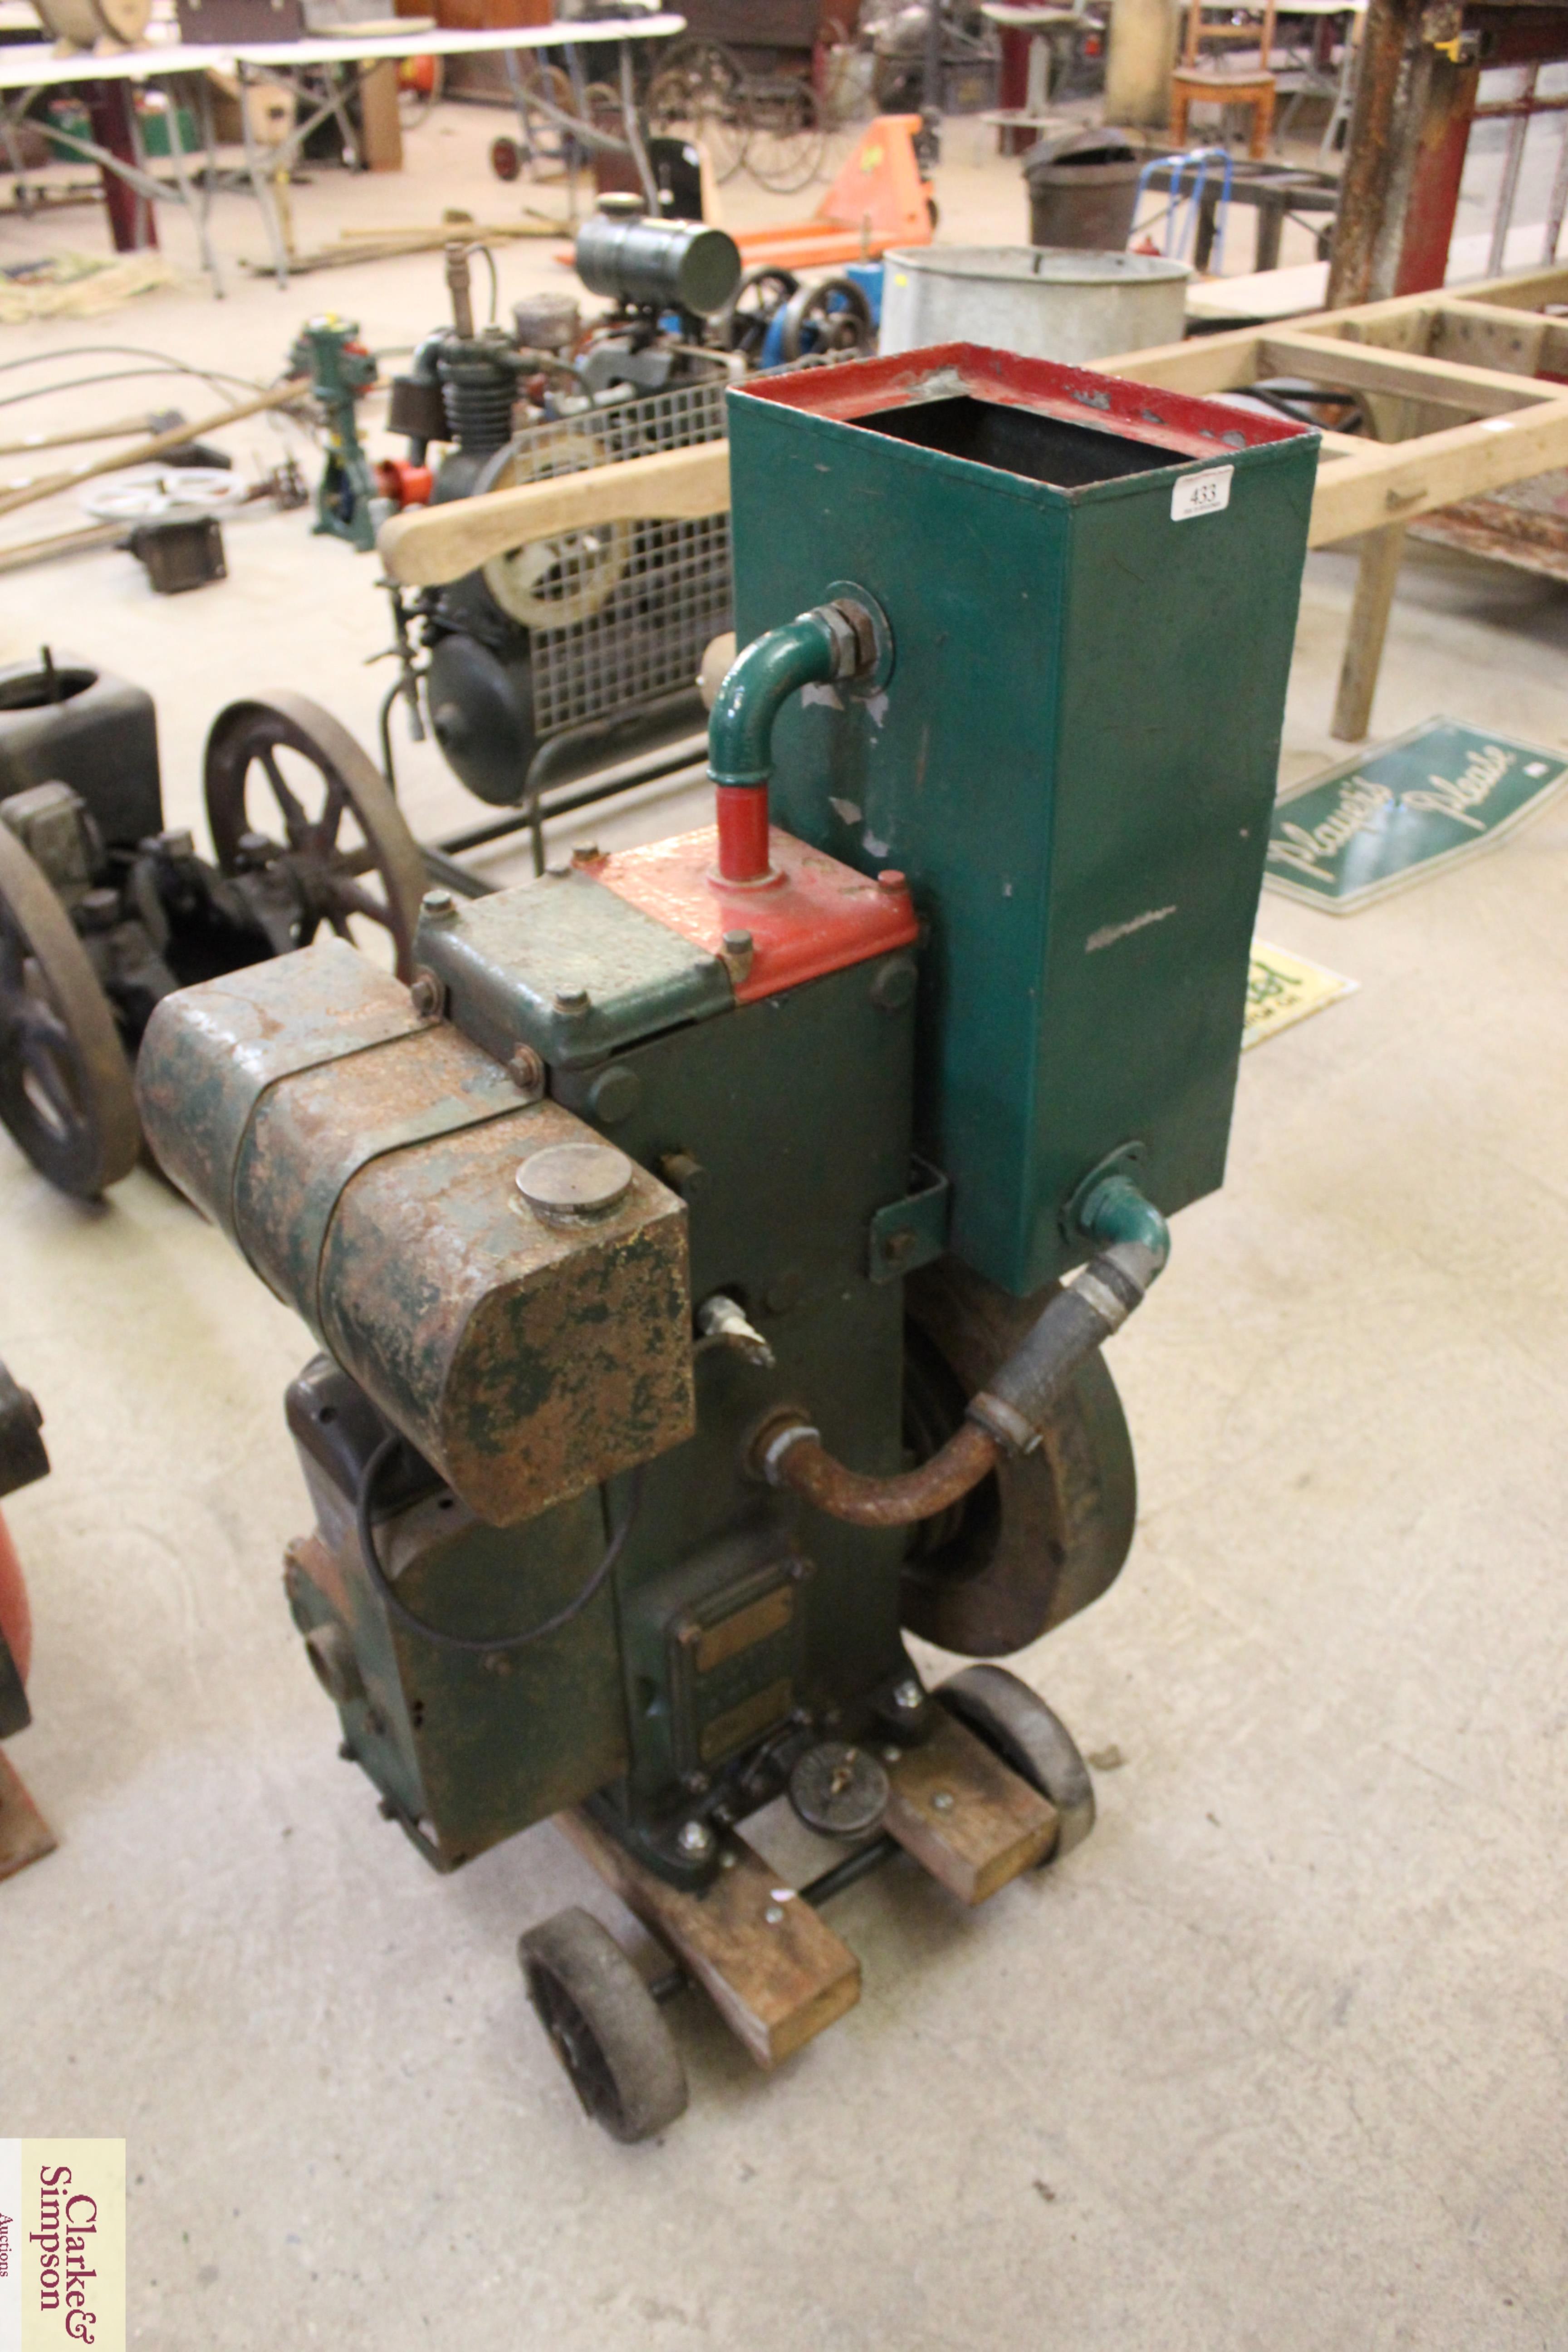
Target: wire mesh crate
618 614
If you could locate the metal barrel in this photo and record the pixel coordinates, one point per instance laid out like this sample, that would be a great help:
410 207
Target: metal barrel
679 265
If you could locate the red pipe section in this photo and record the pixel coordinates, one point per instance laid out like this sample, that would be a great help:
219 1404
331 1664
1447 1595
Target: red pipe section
742 815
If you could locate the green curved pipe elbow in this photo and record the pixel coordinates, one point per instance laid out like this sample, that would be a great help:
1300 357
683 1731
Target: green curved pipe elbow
756 686
1116 1211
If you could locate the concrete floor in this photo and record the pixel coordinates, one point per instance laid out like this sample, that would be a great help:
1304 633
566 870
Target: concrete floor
1273 2064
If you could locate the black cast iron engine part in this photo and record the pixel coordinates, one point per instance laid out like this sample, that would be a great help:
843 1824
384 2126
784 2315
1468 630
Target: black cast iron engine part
96 930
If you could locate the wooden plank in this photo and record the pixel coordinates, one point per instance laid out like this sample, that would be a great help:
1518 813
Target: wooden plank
1508 341
1527 289
1396 484
964 1816
432 545
1381 552
1363 367
24 1835
381 128
1203 364
774 1970
282 395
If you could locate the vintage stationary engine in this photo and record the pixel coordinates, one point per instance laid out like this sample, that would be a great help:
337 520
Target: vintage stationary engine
686 1249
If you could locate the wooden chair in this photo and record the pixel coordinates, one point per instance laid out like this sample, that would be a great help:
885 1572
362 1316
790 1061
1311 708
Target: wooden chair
1207 79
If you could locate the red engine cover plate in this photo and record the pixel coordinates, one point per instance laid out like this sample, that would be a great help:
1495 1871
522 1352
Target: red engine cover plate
816 916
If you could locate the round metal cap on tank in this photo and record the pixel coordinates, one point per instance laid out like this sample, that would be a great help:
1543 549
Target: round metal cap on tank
572 1184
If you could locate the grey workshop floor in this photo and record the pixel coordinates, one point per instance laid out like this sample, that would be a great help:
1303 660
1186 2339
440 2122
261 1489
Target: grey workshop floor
1273 2064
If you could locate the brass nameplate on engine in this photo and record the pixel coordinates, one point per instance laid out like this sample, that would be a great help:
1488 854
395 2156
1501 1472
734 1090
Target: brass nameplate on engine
737 1631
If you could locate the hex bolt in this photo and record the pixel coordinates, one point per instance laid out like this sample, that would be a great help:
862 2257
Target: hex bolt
437 906
571 1000
773 1914
254 848
907 1696
99 911
586 853
425 994
727 1859
177 843
740 948
526 1070
696 1839
891 881
942 1802
683 1174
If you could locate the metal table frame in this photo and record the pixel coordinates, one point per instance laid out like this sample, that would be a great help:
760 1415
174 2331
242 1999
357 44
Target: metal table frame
294 63
29 71
26 72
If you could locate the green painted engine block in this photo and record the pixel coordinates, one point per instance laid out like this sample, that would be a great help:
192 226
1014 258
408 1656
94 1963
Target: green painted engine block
837 1124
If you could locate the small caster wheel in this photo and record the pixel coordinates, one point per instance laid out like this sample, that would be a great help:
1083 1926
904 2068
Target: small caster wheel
506 159
1008 1716
603 2026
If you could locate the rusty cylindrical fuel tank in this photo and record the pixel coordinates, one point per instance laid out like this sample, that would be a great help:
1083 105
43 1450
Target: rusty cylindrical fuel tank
508 1288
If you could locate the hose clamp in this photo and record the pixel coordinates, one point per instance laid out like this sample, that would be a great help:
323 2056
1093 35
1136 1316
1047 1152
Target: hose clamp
774 1451
1000 1420
1100 1299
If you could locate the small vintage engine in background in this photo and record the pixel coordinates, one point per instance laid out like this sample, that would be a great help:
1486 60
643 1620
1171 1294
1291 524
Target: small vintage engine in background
105 910
553 660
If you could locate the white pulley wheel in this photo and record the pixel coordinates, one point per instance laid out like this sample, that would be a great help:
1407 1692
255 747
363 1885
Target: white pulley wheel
144 492
554 584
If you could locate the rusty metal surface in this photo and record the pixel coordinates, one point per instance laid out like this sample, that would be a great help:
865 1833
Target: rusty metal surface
210 1053
1437 169
526 1362
312 1133
510 959
1391 90
1525 525
809 1469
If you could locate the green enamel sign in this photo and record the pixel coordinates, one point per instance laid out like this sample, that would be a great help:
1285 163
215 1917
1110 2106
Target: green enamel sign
1371 826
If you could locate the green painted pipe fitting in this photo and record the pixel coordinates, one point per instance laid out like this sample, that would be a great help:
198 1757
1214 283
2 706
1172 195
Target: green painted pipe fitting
757 685
1117 1211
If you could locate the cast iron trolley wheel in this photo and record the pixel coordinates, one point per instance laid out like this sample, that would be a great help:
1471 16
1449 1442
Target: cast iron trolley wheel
699 92
283 735
763 292
603 2026
1013 1721
788 138
1046 1533
65 1083
833 316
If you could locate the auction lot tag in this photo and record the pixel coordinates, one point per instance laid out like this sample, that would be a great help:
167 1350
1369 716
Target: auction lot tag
1205 493
62 2244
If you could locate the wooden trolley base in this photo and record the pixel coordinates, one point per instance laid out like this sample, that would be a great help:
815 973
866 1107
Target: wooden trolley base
24 1835
773 1968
